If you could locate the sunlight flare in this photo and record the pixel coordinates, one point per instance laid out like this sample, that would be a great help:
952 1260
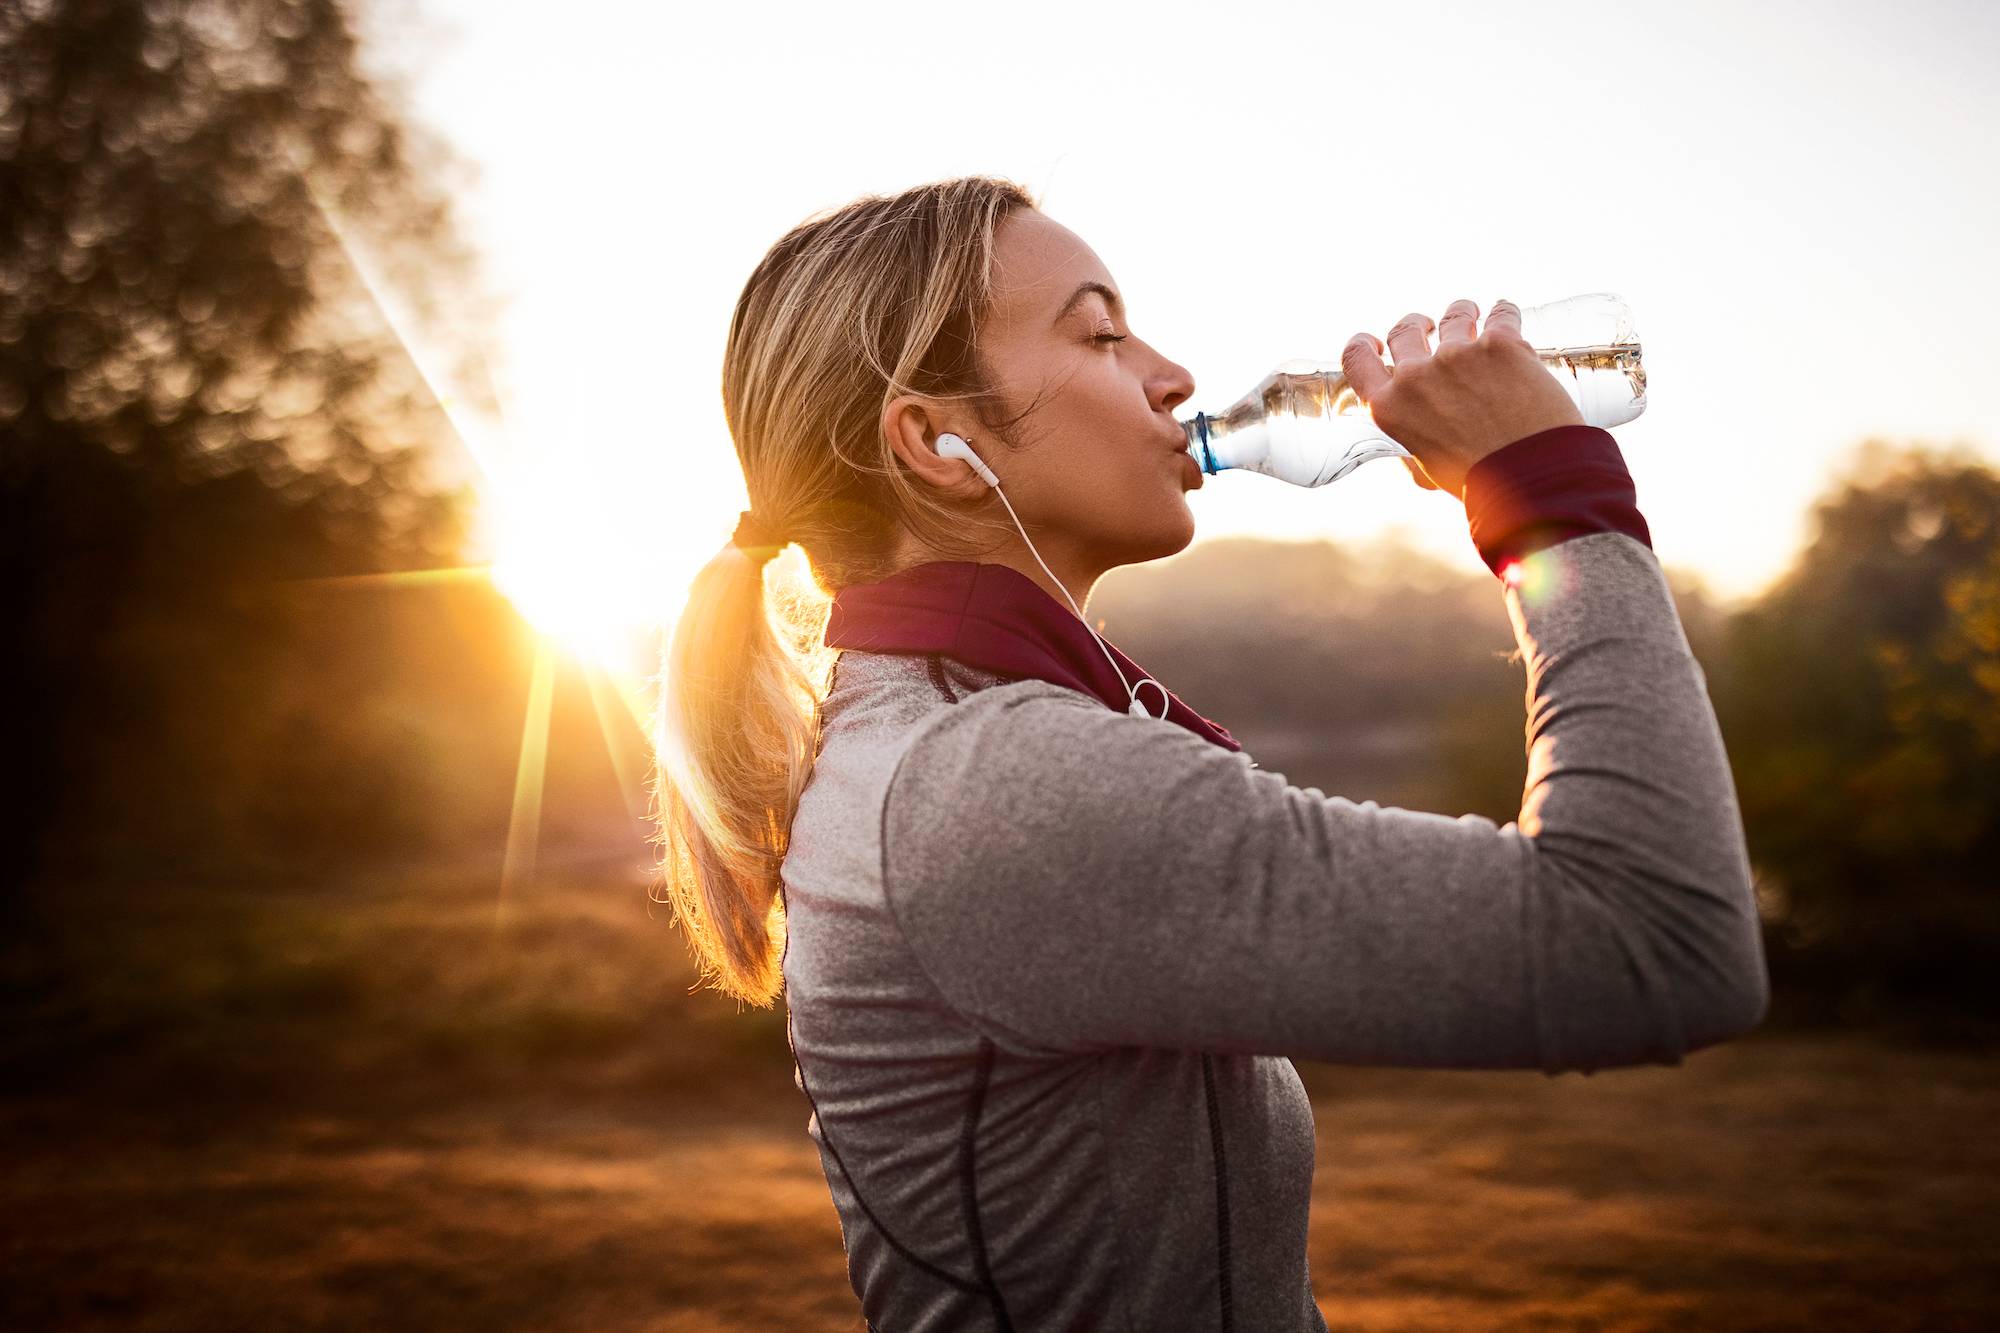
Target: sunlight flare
618 719
404 578
525 820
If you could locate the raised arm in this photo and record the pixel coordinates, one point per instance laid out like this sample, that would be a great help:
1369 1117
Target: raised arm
1076 879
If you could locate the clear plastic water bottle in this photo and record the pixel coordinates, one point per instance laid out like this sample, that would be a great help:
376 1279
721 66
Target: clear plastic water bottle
1305 425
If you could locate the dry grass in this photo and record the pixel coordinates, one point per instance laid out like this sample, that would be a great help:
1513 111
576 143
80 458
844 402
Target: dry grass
1772 1183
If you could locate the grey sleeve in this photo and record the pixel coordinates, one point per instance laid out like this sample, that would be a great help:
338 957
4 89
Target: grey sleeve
1074 879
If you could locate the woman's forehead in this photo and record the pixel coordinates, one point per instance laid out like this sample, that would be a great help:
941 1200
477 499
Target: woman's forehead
1039 265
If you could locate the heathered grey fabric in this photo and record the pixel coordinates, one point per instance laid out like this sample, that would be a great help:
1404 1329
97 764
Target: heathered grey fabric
1032 939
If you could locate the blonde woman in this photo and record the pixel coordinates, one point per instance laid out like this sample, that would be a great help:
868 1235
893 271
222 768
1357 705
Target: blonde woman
1049 940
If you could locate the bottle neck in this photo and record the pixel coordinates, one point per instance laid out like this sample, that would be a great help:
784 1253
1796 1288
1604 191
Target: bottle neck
1200 429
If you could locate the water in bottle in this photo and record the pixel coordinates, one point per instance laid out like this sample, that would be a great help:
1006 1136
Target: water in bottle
1305 424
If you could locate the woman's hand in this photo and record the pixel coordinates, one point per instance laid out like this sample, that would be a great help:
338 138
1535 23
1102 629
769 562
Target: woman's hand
1473 396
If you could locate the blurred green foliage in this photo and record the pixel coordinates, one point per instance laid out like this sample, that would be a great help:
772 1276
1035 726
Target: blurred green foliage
1861 700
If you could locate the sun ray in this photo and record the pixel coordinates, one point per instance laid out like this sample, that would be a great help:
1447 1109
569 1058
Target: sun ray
630 692
524 821
471 436
630 784
403 578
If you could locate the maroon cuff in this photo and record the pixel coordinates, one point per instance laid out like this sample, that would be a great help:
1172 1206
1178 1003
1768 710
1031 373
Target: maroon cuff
1567 481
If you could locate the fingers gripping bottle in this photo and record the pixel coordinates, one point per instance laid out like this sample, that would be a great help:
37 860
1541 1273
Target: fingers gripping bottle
1305 424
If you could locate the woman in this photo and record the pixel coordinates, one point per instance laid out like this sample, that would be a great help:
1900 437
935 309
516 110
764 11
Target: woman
1048 939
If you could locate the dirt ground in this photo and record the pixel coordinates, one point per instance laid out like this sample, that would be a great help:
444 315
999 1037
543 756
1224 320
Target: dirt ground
1780 1182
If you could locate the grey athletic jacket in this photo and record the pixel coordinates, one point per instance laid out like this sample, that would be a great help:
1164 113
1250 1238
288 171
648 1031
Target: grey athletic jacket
1047 965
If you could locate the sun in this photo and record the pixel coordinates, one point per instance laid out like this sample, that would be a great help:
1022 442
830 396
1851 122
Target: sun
582 618
588 574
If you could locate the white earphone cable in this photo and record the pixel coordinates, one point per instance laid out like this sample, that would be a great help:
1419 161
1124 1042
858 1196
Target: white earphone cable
1137 709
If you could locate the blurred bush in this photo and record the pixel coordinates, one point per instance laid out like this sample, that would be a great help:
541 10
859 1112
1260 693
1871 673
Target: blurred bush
1861 700
202 411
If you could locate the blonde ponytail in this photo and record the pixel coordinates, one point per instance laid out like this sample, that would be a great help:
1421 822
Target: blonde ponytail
848 310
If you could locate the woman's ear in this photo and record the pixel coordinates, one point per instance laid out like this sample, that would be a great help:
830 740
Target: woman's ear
911 425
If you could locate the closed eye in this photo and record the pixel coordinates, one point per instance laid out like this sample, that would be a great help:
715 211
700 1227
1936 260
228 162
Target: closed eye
1111 337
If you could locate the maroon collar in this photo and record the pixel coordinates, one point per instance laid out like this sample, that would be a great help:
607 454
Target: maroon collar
998 619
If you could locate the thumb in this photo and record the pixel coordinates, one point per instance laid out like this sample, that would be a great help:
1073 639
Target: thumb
1417 474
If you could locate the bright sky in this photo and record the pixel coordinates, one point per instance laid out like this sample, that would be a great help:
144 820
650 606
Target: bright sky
1797 200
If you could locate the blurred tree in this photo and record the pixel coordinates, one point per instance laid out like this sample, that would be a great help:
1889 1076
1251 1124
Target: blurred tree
198 399
1861 700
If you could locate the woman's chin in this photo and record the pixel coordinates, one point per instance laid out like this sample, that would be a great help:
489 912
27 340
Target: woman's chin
1169 531
1178 534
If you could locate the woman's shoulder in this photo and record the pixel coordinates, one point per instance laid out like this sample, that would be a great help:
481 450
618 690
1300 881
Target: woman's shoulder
1009 719
1032 754
1013 715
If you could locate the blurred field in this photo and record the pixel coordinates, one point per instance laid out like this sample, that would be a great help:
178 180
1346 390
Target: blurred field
370 1107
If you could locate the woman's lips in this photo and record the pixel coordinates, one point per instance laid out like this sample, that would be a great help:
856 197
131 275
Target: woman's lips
1193 471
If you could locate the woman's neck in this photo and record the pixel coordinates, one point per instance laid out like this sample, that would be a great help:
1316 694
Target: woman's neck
1016 556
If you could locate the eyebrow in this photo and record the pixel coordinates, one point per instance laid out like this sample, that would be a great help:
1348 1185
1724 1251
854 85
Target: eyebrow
1111 299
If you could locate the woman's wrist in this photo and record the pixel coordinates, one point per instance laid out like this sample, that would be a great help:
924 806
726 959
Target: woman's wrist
1567 481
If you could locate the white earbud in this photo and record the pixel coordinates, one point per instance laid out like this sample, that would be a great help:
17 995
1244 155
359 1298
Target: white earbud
954 446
